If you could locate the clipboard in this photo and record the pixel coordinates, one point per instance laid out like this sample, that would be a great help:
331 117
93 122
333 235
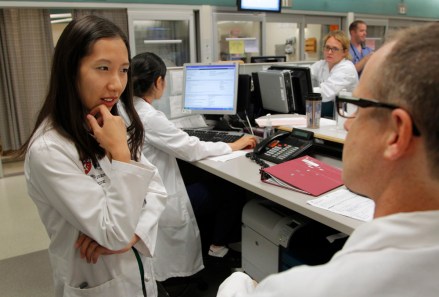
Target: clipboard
306 175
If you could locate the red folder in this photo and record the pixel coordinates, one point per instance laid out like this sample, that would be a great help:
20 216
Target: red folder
306 174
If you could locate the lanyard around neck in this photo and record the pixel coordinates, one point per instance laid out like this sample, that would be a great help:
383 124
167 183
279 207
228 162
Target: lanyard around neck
354 50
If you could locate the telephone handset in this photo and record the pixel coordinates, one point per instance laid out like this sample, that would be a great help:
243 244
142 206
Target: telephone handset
284 146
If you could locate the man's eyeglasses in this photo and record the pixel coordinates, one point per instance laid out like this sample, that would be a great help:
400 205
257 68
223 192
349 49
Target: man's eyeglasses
332 49
347 107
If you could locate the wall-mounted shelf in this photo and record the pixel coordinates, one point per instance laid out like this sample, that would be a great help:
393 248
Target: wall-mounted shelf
163 41
240 38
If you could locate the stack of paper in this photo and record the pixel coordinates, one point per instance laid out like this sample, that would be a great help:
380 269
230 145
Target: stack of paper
281 120
346 203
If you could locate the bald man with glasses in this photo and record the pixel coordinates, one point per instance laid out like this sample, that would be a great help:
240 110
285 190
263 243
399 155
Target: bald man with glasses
391 156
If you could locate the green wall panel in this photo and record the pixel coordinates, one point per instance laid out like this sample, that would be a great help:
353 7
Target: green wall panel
182 2
415 8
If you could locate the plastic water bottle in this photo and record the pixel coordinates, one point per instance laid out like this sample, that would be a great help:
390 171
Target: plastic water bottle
268 130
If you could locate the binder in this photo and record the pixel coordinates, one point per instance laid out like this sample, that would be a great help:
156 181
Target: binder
306 175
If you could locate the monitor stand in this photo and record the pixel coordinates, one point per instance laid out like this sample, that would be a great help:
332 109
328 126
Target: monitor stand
222 122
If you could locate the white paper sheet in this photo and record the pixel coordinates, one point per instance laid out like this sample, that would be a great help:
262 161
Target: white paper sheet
176 106
346 203
189 122
231 156
251 46
176 82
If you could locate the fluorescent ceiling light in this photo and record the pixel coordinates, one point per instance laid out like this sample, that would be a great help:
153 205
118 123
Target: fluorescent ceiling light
66 20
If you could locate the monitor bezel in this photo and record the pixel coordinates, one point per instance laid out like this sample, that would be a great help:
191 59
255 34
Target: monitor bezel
256 9
253 58
216 111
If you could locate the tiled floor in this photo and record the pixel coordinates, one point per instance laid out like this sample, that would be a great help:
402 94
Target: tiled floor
20 225
24 264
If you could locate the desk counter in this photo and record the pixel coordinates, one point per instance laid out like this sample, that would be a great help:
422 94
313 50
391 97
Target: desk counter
328 131
245 173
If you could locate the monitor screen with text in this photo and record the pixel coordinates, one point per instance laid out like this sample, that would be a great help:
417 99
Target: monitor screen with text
210 88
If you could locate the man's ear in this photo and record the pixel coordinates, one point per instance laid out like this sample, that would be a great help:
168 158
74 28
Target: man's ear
400 134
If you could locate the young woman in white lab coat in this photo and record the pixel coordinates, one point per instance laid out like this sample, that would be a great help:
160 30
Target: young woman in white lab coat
178 242
98 198
335 72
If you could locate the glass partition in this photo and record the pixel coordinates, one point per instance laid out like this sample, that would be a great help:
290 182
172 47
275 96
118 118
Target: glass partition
168 39
284 36
170 36
376 32
238 36
316 27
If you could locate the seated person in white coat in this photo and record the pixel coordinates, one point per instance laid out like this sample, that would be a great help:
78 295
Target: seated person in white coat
178 241
336 72
397 253
97 196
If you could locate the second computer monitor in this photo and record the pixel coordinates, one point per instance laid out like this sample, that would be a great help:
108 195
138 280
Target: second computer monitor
301 82
210 88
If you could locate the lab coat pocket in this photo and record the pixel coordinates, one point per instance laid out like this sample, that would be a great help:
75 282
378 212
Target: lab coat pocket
175 213
114 287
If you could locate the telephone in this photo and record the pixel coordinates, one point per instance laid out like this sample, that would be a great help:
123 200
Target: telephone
284 146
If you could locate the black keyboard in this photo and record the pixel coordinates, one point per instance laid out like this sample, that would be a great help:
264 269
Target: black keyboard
214 135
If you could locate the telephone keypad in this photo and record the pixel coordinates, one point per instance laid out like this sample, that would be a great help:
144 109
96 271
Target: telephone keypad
285 146
281 151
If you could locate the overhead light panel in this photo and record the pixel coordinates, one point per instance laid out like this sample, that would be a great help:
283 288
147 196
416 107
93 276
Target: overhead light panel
58 21
56 18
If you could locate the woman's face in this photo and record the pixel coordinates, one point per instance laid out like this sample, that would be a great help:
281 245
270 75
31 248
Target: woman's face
333 51
103 74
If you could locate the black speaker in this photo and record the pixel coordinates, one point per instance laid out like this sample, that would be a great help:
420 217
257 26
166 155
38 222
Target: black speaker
244 90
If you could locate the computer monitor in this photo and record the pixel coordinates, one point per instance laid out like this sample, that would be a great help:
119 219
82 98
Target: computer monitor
268 59
210 88
301 82
259 5
276 91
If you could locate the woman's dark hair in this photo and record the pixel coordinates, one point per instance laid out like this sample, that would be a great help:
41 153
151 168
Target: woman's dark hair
146 69
63 105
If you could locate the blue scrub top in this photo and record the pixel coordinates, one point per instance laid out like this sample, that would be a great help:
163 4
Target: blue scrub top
356 55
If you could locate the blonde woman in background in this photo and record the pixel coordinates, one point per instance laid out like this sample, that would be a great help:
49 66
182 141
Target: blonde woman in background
335 72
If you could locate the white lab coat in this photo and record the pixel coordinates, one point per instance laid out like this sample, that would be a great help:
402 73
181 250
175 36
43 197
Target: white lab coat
342 76
397 255
178 242
109 202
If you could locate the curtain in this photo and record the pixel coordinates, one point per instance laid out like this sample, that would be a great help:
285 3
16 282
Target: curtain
26 48
117 16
